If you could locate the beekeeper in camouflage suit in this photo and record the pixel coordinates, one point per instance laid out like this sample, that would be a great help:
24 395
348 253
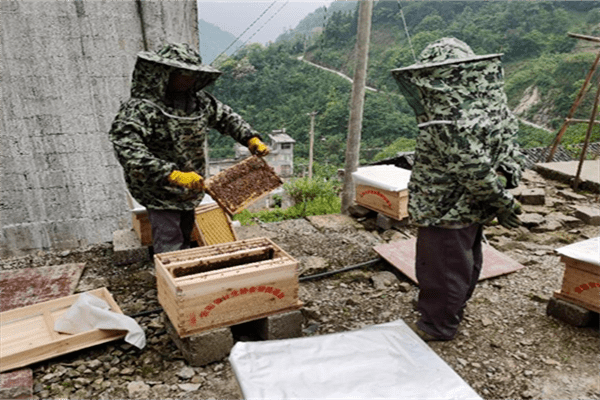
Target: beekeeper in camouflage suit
466 159
159 138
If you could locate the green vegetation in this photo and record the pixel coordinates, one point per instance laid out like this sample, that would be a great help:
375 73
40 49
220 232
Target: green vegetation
272 88
316 196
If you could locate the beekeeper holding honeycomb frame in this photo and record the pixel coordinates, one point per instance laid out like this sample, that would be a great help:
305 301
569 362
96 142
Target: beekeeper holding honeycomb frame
159 137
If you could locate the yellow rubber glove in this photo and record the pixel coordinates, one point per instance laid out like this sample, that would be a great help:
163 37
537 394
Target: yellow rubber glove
189 180
257 147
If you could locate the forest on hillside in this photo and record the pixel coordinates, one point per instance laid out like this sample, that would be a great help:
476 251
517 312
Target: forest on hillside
272 88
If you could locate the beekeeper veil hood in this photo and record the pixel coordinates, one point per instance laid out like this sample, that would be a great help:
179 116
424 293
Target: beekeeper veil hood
153 69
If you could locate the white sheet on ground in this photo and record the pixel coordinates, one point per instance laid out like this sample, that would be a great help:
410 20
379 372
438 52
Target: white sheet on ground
387 361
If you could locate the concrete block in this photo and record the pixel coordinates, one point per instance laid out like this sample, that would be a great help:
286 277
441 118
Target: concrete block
204 347
589 215
127 248
569 312
384 222
535 196
358 211
285 325
16 384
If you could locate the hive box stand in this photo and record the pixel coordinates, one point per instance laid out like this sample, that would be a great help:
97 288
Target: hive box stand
225 284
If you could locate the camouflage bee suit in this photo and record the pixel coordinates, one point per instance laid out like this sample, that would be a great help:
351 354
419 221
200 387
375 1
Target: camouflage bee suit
466 156
152 139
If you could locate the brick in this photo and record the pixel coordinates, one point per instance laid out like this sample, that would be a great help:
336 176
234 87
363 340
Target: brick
127 248
535 196
16 384
589 215
568 312
202 348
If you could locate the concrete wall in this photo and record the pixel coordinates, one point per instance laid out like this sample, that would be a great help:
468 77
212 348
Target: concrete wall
65 66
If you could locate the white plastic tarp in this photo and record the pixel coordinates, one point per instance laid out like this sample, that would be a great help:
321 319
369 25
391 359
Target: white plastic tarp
386 177
387 361
587 251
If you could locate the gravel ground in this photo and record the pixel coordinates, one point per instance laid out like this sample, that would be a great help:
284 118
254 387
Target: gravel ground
507 347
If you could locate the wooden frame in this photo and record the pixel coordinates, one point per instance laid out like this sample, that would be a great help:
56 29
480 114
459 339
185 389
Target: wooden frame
225 284
212 226
28 334
246 182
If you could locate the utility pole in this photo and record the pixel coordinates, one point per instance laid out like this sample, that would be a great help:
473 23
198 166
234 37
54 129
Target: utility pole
357 101
312 142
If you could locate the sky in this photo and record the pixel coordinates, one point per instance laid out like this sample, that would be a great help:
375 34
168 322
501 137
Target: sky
236 16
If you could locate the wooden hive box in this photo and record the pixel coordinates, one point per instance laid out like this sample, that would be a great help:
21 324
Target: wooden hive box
213 226
225 284
140 221
581 280
581 284
236 187
383 188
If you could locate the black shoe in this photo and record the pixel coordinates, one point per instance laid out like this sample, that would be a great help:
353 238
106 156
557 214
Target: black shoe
426 337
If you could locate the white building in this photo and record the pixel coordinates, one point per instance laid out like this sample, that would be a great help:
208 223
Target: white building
281 156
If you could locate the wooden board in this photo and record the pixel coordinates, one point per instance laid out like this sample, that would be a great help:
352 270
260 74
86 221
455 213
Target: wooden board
401 254
236 187
141 226
392 204
213 226
28 334
239 281
581 284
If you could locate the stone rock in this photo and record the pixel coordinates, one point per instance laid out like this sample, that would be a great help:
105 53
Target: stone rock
161 391
535 196
312 265
570 195
589 215
404 287
186 373
531 220
189 387
138 390
382 280
359 211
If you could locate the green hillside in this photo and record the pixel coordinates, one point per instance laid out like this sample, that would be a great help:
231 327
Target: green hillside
272 88
213 40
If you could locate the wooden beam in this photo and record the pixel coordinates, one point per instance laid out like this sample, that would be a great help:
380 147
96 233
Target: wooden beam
584 37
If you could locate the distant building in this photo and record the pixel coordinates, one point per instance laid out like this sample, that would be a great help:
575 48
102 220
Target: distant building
281 157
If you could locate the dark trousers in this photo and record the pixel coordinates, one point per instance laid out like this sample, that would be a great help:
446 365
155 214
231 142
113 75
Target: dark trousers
448 263
171 230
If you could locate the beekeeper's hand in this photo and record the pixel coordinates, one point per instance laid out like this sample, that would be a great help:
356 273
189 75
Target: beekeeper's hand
257 147
508 218
189 180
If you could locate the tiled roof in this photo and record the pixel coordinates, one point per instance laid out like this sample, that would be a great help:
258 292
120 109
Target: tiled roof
532 156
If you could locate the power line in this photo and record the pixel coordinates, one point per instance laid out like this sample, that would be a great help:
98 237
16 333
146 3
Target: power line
406 30
252 24
263 25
